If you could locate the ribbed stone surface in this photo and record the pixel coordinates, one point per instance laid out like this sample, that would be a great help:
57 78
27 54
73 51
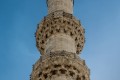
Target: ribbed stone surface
59 42
64 5
62 77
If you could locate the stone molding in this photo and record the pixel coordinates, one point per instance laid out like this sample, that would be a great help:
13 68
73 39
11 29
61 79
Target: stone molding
59 22
60 63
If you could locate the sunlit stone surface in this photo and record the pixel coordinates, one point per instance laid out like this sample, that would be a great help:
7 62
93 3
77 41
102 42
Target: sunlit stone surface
60 39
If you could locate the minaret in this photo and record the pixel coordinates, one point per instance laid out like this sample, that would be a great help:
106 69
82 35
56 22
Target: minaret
60 39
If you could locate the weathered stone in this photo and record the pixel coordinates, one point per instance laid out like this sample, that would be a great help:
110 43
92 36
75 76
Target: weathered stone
60 64
64 5
62 24
60 39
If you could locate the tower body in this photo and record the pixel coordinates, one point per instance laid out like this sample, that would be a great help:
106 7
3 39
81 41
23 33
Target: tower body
60 39
64 5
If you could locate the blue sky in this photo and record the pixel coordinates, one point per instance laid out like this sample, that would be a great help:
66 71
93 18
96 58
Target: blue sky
18 23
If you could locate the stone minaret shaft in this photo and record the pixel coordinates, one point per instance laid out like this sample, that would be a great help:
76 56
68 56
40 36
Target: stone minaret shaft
60 39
